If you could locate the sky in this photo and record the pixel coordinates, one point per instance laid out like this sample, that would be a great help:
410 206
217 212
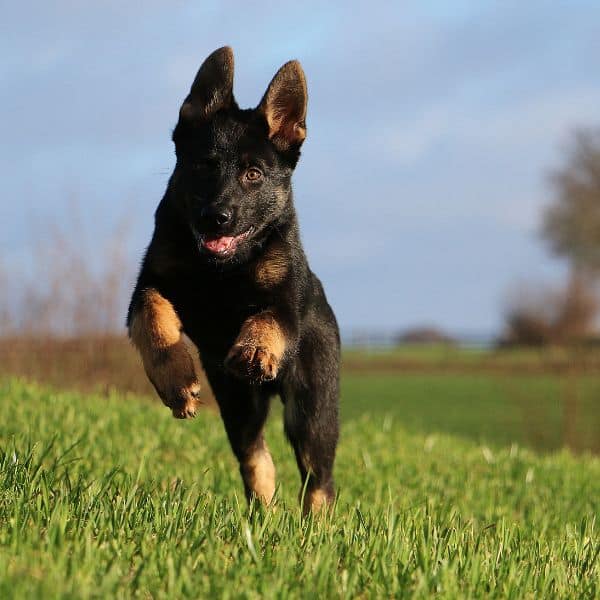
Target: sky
431 129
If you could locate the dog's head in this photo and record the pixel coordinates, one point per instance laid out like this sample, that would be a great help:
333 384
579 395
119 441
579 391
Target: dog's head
232 180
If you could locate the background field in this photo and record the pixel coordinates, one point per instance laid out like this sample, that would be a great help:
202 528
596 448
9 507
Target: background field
543 399
452 482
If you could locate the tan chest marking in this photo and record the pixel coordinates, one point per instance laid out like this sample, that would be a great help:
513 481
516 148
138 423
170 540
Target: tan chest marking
272 268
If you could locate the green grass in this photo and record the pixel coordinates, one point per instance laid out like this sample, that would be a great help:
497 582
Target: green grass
110 497
470 358
424 352
544 412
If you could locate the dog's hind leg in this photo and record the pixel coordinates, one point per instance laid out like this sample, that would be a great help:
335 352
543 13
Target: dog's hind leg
311 425
313 436
244 410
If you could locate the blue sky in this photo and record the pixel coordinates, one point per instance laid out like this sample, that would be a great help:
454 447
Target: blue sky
431 127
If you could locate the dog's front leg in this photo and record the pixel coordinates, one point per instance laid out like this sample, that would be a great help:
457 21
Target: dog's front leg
170 358
258 351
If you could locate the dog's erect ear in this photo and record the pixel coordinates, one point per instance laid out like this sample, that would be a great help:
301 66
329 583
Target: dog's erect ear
212 89
284 106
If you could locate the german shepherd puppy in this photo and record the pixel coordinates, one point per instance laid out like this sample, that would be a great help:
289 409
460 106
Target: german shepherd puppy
225 282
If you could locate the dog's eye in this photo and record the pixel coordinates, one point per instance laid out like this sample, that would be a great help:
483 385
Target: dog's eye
253 174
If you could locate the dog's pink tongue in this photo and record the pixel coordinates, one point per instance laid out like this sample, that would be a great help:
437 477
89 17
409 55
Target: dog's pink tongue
220 244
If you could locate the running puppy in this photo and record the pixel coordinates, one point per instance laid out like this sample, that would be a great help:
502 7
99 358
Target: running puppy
225 282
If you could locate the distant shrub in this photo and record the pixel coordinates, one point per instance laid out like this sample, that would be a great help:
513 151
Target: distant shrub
540 316
424 335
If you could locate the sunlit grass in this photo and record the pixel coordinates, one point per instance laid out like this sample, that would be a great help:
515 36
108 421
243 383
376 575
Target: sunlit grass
110 497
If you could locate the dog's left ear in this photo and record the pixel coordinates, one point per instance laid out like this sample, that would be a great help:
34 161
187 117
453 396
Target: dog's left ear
284 106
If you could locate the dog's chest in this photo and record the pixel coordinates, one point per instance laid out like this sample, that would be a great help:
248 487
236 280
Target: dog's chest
213 308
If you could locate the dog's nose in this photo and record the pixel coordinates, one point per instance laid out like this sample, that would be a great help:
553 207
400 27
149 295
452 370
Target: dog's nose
216 215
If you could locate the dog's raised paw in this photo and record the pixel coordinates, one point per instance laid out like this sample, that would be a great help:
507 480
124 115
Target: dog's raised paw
255 363
176 374
185 403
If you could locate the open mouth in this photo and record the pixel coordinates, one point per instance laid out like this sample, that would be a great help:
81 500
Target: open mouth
222 245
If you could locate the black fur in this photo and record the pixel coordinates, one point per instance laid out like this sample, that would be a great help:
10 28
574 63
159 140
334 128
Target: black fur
267 272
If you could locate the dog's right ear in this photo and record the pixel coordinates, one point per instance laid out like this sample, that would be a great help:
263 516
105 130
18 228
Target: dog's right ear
212 89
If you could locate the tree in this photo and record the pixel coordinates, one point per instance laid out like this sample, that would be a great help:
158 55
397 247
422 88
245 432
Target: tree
571 226
571 223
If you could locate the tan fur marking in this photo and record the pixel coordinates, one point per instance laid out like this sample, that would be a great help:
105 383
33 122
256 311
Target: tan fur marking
272 267
259 474
156 325
258 349
170 358
315 501
264 330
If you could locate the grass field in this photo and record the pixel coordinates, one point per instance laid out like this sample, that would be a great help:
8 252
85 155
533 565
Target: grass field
543 412
107 496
